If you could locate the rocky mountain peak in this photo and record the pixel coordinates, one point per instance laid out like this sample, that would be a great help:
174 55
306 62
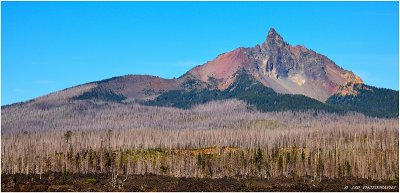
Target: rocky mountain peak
272 33
276 64
273 38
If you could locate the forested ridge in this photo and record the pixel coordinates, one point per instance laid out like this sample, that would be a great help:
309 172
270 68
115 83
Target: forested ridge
370 101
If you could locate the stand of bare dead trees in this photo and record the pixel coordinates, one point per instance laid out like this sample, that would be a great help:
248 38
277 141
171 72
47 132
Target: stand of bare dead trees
213 140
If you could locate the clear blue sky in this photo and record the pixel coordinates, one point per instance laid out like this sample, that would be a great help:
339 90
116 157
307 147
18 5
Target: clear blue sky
49 46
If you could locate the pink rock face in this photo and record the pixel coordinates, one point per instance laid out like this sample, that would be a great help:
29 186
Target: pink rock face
331 88
223 67
296 50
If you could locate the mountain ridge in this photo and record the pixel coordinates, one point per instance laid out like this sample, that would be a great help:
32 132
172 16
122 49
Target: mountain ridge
273 64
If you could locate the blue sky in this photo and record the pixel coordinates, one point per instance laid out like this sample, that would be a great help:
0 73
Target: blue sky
49 46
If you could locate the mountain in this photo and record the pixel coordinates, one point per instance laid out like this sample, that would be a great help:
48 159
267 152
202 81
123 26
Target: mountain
280 66
271 76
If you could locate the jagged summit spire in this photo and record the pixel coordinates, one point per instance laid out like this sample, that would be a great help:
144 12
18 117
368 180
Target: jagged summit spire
272 31
274 37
